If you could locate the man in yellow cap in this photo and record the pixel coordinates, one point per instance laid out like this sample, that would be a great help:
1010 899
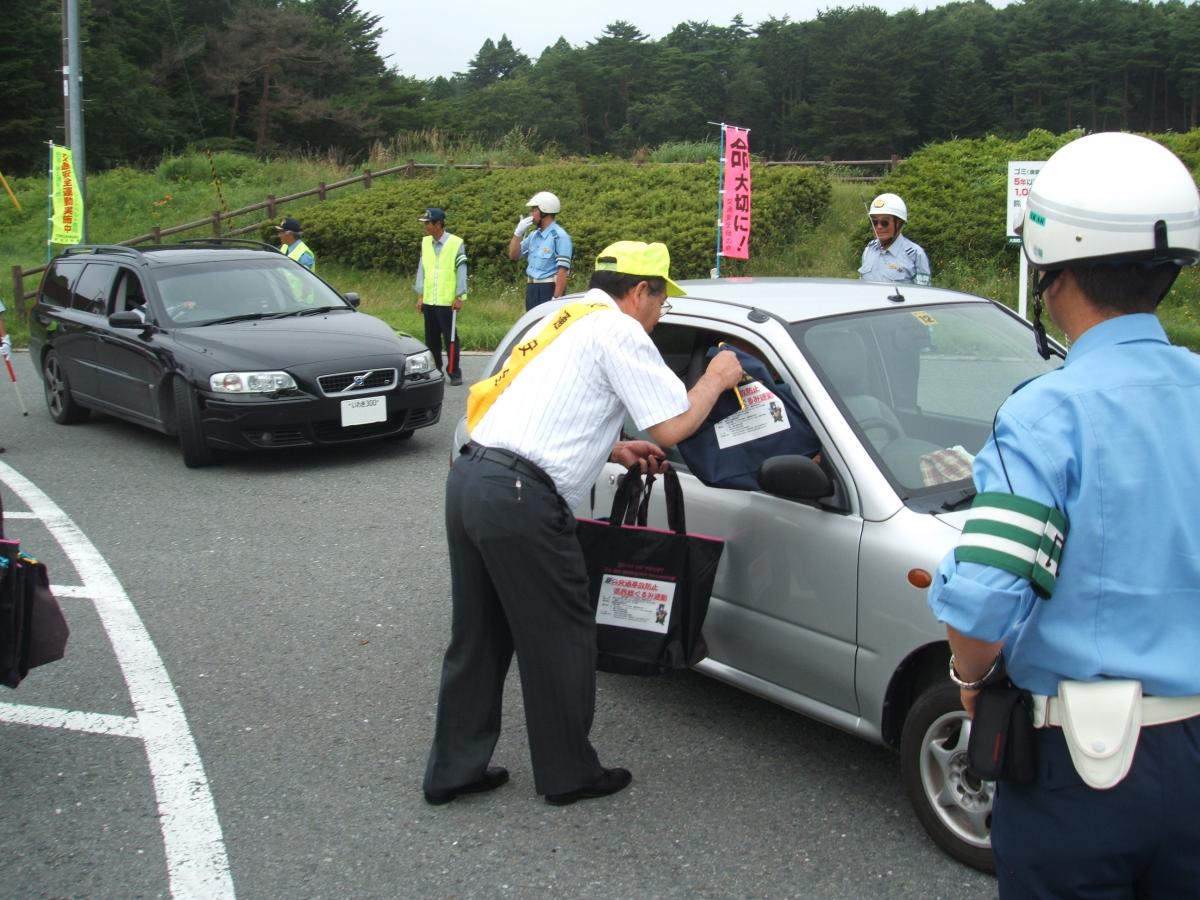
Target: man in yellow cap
541 430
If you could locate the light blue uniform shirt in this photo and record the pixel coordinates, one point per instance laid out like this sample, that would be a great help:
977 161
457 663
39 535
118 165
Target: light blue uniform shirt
903 261
548 250
1112 439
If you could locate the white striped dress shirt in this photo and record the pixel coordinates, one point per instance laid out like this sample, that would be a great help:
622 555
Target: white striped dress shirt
564 410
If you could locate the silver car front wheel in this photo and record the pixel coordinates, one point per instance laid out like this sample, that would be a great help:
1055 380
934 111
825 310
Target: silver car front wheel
952 804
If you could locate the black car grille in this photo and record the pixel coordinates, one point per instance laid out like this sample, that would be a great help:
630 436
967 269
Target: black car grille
277 437
352 382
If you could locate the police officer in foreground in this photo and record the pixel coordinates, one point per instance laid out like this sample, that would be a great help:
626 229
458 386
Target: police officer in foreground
547 248
291 246
890 256
1079 569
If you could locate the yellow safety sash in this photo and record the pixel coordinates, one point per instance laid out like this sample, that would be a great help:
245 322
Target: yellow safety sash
484 393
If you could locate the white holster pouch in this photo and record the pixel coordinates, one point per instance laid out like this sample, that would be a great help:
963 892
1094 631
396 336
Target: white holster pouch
1101 721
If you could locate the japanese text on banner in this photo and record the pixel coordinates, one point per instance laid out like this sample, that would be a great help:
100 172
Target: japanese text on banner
67 204
735 215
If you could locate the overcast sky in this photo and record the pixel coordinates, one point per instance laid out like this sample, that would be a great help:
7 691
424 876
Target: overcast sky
428 39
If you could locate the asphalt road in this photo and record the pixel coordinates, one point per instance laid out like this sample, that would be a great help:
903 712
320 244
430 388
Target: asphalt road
299 605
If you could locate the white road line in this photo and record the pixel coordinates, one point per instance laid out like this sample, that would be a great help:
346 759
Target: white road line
71 720
197 865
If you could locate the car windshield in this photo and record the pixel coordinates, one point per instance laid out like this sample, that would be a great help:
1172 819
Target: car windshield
205 293
922 385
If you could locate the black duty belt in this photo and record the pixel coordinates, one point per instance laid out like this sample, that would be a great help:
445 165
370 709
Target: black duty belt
508 459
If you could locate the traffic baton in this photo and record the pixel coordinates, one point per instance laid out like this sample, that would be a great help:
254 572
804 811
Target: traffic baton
12 376
452 351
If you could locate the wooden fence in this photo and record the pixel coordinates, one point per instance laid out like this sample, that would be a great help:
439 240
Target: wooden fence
271 204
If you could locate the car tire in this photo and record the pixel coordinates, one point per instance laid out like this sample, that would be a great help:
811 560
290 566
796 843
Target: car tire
952 804
63 408
196 452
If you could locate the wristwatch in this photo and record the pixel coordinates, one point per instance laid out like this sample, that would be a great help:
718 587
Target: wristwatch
991 675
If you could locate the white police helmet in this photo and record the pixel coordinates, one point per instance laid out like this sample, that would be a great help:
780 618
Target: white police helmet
889 205
1109 198
546 202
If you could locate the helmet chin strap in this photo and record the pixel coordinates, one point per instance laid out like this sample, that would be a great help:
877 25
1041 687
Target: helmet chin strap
1039 330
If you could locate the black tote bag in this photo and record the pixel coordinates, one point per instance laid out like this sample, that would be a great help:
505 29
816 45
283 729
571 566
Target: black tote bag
33 630
723 454
650 588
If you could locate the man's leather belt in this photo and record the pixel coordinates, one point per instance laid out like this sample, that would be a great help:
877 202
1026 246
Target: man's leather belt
509 459
549 280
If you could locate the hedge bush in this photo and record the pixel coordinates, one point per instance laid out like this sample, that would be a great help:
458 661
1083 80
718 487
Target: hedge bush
956 192
602 203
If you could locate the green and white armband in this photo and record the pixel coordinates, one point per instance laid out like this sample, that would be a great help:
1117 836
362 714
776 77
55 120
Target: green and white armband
1017 535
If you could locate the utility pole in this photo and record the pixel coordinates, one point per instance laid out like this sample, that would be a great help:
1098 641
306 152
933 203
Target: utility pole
73 103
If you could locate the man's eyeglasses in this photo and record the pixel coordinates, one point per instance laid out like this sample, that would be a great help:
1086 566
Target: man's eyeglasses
665 308
881 223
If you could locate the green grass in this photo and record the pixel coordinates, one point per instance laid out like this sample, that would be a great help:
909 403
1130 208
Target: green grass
125 203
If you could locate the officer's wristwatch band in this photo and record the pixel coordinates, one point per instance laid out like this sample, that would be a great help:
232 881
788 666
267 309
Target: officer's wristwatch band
988 677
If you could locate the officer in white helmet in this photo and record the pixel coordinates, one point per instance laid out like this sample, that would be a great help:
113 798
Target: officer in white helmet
547 248
890 256
1077 576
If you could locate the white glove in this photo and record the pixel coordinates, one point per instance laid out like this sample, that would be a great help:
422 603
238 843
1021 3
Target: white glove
6 347
523 226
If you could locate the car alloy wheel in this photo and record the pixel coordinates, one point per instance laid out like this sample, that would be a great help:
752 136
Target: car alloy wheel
952 804
63 408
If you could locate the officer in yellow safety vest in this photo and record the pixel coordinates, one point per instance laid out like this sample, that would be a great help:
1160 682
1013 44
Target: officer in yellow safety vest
441 288
292 247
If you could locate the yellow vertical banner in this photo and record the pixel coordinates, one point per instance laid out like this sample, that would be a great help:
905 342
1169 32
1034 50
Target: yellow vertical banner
67 203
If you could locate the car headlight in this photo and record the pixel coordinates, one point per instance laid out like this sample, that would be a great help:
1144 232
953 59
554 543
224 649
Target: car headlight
419 363
251 382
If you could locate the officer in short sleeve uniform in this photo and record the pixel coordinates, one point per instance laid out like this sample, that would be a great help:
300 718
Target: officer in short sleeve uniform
890 256
541 430
1081 556
547 248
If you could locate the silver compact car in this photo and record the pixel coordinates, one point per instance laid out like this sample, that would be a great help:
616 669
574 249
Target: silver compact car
819 604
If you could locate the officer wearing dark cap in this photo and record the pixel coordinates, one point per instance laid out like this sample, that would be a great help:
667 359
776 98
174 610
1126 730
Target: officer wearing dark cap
441 287
292 247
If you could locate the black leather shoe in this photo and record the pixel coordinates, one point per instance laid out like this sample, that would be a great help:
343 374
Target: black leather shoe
495 776
455 379
609 782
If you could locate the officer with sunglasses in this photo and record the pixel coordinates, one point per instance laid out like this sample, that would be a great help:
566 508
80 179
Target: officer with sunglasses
890 256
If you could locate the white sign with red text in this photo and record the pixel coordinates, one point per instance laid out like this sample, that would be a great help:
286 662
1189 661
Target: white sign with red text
632 601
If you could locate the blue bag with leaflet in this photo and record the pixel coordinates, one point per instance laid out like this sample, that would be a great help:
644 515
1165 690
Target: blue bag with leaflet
744 429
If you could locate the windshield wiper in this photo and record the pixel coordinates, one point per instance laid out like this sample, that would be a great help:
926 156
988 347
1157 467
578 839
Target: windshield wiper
240 318
307 312
967 495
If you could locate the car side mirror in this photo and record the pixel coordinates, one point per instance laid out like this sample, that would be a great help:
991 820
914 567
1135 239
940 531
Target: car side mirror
127 319
352 298
794 477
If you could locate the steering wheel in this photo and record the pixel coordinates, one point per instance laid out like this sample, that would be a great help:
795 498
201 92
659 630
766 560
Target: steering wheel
891 428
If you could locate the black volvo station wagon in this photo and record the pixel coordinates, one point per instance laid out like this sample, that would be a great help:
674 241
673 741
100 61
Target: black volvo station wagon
228 345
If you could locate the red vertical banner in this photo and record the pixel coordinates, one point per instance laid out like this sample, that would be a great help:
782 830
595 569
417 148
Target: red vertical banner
735 215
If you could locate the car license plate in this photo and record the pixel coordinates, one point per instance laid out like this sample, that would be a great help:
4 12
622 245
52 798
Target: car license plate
364 410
